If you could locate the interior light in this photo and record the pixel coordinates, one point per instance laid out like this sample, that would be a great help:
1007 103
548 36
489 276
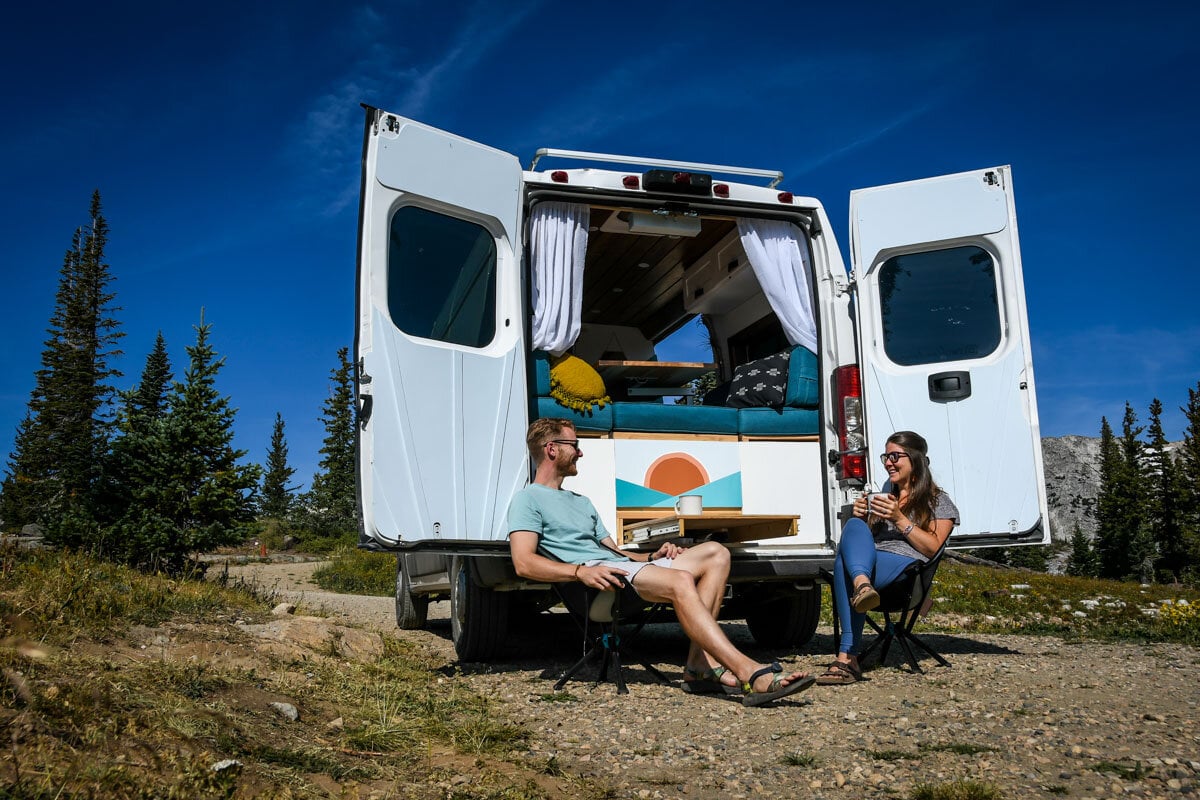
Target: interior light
663 225
643 265
559 176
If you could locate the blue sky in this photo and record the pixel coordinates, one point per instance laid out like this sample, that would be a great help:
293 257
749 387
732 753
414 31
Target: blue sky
225 141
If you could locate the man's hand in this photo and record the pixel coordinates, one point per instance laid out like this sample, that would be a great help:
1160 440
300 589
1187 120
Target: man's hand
668 550
602 577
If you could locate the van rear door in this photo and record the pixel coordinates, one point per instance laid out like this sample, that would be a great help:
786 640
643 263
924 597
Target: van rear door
943 342
441 380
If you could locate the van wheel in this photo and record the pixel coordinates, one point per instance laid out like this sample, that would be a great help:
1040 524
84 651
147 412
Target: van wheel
478 615
412 610
790 620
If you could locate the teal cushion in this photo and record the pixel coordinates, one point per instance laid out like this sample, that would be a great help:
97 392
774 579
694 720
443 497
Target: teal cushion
541 373
778 421
595 419
658 417
803 383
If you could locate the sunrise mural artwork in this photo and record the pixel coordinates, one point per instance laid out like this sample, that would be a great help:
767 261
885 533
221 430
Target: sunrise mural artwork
650 478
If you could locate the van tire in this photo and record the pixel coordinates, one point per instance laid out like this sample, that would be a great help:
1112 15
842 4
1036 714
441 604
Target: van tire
478 615
412 610
787 621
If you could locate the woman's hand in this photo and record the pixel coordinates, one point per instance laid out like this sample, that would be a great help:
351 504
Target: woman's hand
860 506
884 506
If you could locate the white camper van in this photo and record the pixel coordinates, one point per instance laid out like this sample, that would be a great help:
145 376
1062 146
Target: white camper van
490 295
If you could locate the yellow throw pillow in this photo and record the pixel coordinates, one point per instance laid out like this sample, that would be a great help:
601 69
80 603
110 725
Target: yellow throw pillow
576 385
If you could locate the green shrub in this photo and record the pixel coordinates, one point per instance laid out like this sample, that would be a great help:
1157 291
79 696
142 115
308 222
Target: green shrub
354 571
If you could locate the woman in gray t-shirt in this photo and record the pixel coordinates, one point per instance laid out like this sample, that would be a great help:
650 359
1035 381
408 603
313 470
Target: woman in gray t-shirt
889 532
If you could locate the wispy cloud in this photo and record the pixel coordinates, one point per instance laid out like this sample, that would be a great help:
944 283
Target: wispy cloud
487 25
327 143
1093 372
864 139
613 101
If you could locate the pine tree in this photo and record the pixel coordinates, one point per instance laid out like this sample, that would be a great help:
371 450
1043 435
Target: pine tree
1127 549
276 499
1189 468
58 451
195 496
1111 546
1164 490
333 498
131 470
1082 561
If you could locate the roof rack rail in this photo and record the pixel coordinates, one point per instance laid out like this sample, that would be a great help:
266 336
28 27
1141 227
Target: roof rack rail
547 152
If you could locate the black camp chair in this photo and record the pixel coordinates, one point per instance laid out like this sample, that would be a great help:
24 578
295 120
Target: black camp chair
905 598
599 615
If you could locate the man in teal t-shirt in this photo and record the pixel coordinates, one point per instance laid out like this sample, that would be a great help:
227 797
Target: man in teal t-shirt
556 535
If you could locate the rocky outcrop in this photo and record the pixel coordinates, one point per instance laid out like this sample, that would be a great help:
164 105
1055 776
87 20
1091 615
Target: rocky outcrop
1072 469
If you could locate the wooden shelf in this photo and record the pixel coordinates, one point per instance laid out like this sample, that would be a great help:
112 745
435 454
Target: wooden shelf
664 374
723 526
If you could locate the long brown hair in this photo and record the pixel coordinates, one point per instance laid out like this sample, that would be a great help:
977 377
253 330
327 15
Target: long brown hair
922 491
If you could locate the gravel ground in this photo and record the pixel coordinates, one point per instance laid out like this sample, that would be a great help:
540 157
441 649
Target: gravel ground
1033 716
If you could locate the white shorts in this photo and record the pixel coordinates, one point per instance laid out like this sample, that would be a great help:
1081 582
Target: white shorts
631 568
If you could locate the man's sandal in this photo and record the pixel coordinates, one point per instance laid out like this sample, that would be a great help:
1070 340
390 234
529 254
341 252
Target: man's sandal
839 673
778 689
706 681
865 598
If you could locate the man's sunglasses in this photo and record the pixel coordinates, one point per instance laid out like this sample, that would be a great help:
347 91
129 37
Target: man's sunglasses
892 458
573 442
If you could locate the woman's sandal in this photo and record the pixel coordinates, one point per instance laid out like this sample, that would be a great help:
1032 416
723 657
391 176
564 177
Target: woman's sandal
839 673
778 689
865 598
707 682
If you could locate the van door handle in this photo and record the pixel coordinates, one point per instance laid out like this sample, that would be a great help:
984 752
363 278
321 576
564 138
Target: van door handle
954 385
364 411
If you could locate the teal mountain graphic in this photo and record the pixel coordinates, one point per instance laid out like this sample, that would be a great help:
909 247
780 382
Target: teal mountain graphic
722 493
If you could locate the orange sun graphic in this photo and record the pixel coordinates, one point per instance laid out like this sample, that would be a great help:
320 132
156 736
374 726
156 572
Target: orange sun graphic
675 473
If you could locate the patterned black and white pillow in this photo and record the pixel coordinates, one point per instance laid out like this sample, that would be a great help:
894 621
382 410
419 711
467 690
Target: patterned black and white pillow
760 383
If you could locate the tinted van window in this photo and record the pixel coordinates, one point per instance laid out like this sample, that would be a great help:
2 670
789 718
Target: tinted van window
441 277
939 305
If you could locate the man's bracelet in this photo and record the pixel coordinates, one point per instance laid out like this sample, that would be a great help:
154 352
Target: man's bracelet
576 575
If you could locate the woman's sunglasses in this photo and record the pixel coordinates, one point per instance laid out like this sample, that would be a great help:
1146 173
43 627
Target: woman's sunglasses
892 458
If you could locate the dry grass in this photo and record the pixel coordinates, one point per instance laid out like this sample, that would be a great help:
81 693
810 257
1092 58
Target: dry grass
975 599
122 685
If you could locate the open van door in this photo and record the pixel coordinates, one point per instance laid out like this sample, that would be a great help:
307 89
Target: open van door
441 379
944 348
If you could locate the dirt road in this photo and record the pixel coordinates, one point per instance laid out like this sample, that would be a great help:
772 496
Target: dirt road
1032 716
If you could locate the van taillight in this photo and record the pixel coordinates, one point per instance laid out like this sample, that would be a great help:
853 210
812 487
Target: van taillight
852 440
631 182
785 197
559 176
721 190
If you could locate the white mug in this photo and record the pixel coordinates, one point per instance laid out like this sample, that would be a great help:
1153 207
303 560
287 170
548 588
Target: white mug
689 505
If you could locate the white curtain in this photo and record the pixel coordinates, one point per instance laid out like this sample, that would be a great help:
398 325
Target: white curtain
558 244
778 253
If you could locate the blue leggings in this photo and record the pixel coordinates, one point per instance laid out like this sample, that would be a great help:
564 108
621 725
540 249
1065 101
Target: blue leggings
856 555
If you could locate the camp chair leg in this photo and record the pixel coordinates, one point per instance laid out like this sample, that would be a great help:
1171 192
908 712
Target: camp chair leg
912 659
917 641
592 652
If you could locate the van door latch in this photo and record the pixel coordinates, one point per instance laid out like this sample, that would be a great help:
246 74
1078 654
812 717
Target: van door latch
954 385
